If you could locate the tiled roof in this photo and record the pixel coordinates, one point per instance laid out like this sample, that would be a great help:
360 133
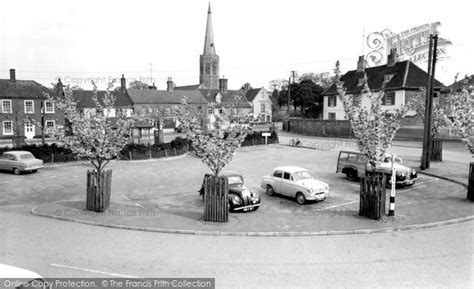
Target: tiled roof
405 75
187 87
22 89
228 97
252 93
84 98
458 85
151 96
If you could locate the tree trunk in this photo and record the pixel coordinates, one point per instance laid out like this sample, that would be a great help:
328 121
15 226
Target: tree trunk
98 190
216 204
372 195
470 187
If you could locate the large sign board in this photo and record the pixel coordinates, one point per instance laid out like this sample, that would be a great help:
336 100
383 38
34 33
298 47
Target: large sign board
411 44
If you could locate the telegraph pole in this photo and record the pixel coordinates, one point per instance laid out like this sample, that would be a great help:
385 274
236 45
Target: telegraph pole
432 57
293 73
288 105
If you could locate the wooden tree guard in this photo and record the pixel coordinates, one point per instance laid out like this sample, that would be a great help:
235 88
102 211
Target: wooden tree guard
436 150
470 187
216 204
98 190
372 195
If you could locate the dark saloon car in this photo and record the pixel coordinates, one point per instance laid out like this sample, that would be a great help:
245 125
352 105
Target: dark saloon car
240 197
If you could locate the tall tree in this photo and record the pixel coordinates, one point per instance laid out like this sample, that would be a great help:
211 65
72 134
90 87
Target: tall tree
137 84
322 79
308 97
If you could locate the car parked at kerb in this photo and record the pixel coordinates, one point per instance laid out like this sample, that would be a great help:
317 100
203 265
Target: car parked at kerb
19 161
295 182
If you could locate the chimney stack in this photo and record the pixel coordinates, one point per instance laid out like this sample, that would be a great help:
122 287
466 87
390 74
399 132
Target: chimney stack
169 85
392 57
123 84
361 63
12 75
246 87
223 84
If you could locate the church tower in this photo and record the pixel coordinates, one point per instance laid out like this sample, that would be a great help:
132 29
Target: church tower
209 60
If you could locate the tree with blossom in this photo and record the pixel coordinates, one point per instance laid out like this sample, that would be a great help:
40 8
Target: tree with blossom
98 138
373 127
438 119
461 114
217 147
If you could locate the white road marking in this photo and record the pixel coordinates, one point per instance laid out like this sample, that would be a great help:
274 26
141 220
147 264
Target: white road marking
335 206
92 271
125 198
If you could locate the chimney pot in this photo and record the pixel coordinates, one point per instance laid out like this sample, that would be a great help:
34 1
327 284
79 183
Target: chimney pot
392 57
12 75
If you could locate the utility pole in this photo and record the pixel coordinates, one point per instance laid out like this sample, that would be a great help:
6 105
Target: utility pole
432 57
288 104
293 73
42 123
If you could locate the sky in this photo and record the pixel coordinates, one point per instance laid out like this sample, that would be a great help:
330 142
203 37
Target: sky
257 41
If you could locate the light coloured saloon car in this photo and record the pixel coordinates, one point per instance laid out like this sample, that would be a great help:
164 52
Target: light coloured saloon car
295 182
19 161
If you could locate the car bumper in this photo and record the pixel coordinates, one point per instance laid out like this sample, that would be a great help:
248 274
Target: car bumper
247 208
32 168
317 196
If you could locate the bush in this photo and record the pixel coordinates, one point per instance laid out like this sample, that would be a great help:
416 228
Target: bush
45 152
256 138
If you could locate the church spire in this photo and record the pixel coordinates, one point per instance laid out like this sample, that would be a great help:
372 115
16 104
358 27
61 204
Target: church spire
209 47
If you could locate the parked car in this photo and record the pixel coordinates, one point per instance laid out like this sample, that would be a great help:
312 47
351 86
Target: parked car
19 161
240 197
15 277
355 165
295 182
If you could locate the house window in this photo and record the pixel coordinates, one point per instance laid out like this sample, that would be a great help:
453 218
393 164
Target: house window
29 106
331 115
262 107
210 111
48 107
50 124
6 106
220 111
389 98
332 100
7 127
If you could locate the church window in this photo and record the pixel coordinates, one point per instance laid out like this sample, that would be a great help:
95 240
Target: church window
208 68
214 68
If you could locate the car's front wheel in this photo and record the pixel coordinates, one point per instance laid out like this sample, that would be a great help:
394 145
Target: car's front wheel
300 198
351 175
16 171
270 190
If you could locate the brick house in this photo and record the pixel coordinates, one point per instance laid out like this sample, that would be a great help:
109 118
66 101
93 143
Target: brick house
21 108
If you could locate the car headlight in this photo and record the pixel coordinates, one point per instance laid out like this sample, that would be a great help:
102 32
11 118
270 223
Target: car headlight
236 199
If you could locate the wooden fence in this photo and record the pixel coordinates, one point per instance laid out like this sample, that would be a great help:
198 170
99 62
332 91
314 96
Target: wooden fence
372 195
98 190
216 204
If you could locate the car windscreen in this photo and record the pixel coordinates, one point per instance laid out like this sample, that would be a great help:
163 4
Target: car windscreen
26 157
234 180
303 175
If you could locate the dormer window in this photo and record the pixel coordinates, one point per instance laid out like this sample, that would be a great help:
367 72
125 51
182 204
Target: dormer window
387 78
361 82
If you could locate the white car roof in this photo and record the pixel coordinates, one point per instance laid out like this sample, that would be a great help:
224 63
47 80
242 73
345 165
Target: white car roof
290 169
8 272
17 152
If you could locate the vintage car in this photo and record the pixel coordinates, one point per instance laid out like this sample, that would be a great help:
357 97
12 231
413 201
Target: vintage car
295 182
15 277
355 165
240 197
19 161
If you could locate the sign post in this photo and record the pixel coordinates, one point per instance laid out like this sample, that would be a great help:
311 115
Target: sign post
266 135
391 210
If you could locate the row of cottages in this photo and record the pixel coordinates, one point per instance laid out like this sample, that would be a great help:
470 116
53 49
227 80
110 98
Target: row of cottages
402 80
24 108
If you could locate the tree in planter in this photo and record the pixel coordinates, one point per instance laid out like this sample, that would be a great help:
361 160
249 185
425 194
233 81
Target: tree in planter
461 120
98 138
374 129
216 149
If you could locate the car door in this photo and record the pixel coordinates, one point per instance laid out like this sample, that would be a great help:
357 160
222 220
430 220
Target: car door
277 179
7 162
287 185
